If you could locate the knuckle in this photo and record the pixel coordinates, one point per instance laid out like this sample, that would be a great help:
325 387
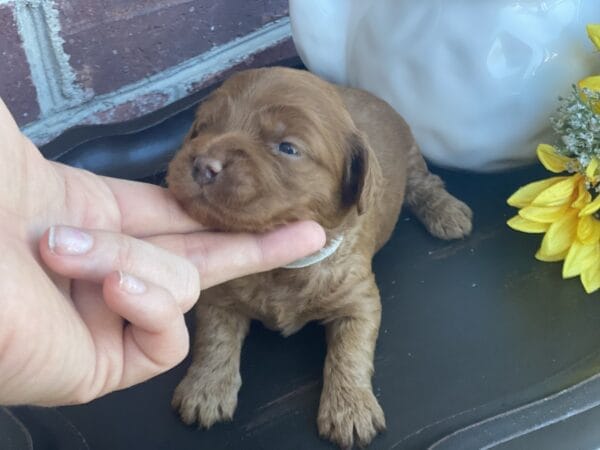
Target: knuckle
193 271
125 253
85 391
191 286
258 257
181 351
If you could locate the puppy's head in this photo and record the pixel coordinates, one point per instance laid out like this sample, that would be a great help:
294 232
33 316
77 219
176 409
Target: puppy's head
269 147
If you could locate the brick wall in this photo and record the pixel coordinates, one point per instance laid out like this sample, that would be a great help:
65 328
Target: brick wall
71 62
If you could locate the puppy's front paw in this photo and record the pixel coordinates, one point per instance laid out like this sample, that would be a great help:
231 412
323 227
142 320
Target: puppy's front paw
349 414
450 219
206 398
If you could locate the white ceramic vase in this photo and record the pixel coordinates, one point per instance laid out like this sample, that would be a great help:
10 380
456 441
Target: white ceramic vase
476 79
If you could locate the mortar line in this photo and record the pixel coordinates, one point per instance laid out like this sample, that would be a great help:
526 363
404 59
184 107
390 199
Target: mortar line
52 76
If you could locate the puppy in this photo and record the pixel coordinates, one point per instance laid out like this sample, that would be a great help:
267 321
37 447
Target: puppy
272 146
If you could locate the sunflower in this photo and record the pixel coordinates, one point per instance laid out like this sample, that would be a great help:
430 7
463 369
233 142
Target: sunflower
564 209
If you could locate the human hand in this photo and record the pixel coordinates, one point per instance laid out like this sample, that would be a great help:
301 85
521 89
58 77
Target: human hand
96 303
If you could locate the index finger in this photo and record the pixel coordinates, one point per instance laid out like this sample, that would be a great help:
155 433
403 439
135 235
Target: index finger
221 257
148 210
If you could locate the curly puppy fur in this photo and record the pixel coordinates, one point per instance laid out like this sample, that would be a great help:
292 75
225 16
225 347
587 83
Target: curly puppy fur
354 158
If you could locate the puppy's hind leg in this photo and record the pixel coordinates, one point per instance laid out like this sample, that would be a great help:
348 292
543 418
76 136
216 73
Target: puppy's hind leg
443 215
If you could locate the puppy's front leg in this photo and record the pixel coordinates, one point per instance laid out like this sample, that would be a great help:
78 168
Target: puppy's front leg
348 407
208 393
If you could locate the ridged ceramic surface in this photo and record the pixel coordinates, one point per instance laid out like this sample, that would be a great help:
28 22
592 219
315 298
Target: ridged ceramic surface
476 79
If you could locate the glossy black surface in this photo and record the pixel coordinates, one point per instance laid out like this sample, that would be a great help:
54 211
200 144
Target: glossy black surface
471 330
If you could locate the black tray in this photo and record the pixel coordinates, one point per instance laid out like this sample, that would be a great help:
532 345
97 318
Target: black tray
480 345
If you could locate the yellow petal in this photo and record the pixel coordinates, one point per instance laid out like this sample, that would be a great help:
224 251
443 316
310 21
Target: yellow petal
560 235
527 226
580 258
559 238
590 278
592 83
588 230
543 214
591 208
550 258
584 196
525 195
551 159
591 169
593 31
558 194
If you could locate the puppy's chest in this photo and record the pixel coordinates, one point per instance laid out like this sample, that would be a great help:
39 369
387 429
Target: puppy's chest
286 299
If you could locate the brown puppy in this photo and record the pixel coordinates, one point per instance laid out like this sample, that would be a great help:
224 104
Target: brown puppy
272 146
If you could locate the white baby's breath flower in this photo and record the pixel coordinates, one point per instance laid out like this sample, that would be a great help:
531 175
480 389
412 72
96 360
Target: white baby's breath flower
578 125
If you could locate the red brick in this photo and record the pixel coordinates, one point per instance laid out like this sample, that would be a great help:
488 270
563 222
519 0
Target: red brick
282 51
153 101
121 41
16 87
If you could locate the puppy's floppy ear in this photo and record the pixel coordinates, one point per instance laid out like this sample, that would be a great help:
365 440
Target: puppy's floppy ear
195 129
356 180
212 108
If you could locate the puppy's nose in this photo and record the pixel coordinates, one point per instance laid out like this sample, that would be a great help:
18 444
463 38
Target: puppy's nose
206 170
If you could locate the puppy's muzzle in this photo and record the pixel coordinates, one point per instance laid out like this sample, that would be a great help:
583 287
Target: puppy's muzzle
206 170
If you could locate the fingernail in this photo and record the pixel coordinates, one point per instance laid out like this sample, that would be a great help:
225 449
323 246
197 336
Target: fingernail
69 241
131 284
